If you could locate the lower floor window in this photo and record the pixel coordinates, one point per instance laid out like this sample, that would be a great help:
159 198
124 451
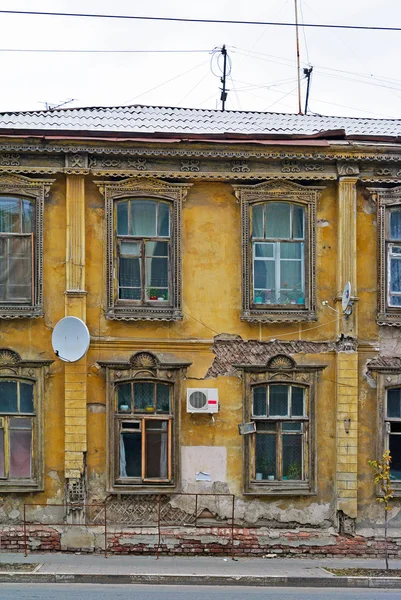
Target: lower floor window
145 449
15 447
393 431
279 451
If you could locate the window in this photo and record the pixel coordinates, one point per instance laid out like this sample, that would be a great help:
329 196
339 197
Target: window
143 406
279 406
143 419
21 423
16 250
389 227
143 249
278 252
393 431
280 443
21 246
16 429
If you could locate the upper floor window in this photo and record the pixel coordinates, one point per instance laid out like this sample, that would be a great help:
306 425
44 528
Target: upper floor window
143 249
16 250
393 243
278 252
21 245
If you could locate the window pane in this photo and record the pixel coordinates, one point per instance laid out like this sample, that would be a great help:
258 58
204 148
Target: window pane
259 402
9 215
395 274
156 249
298 222
162 398
291 278
26 397
395 451
20 423
265 426
292 426
265 456
20 452
16 269
8 396
393 403
263 249
291 250
278 220
297 401
122 218
124 397
144 397
395 225
156 273
156 449
130 454
2 473
278 400
257 220
292 457
27 216
264 274
130 278
130 249
164 220
142 217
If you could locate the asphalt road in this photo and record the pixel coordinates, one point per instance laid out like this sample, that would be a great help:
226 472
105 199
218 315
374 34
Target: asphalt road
145 592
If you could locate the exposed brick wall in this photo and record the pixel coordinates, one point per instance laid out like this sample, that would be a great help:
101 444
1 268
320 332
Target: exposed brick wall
205 541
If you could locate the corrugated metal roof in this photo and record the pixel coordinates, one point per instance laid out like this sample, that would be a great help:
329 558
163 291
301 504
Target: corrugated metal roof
148 120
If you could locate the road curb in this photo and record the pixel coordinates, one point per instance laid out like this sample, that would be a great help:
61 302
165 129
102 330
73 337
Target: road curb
218 580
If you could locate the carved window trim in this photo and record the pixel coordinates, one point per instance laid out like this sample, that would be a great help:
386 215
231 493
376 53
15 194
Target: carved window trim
36 190
143 366
281 369
386 199
278 191
32 371
155 189
387 376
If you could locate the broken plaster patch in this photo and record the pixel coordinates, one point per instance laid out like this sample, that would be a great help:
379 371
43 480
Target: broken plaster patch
322 223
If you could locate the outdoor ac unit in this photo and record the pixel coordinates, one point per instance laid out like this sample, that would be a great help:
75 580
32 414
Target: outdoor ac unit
202 400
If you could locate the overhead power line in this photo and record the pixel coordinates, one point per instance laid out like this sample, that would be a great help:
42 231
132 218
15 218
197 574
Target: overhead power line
68 51
188 20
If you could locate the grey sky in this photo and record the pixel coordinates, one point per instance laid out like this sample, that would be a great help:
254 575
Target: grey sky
355 72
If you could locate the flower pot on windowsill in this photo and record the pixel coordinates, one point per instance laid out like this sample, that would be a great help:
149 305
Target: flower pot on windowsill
152 297
161 298
270 478
301 301
124 408
258 301
259 476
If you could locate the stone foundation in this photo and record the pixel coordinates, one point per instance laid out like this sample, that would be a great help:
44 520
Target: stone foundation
204 541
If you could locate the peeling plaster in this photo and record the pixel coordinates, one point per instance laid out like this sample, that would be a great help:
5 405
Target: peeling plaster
390 341
322 223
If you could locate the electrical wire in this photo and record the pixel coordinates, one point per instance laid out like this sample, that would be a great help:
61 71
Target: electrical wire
165 82
81 51
189 20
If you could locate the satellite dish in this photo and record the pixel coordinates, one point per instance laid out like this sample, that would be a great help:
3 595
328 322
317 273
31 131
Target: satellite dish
70 339
346 303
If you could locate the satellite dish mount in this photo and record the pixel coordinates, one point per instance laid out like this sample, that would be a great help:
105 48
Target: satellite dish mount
346 301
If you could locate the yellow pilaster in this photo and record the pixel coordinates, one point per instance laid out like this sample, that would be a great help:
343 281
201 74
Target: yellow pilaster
75 305
347 357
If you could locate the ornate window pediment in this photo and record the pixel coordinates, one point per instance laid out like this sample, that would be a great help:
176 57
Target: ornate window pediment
143 249
278 251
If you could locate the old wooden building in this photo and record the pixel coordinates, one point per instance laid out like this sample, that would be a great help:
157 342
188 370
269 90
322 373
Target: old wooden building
207 253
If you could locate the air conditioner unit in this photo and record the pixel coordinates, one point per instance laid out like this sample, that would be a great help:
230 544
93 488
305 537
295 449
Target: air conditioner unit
202 400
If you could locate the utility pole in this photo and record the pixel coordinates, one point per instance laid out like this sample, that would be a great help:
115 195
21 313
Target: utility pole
298 58
307 73
223 79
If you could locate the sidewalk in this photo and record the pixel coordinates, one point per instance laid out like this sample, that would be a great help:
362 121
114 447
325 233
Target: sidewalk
168 570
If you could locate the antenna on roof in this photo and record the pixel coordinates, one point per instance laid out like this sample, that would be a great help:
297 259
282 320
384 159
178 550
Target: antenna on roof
54 106
298 58
224 73
307 73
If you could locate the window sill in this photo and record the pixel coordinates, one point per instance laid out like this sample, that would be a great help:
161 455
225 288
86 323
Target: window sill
279 488
15 485
391 318
142 488
278 315
20 312
143 313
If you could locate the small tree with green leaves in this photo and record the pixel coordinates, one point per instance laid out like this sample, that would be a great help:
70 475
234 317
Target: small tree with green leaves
381 473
